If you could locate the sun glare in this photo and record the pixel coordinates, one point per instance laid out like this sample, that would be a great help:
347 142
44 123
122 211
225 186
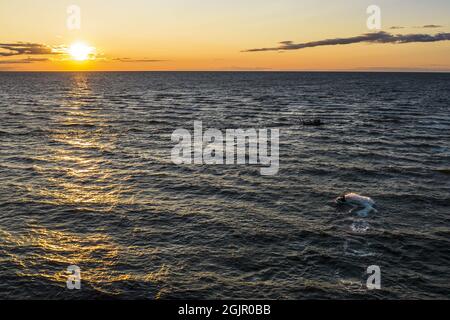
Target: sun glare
80 51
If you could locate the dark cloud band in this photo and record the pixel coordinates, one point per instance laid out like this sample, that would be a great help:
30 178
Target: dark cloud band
431 26
376 37
138 60
16 49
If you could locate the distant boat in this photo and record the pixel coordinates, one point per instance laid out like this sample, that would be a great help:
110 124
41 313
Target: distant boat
314 122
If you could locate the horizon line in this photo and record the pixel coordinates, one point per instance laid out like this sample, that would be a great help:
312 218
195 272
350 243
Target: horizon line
358 70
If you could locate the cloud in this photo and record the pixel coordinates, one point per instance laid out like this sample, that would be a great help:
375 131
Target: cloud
22 61
137 60
427 26
376 37
431 26
236 68
21 48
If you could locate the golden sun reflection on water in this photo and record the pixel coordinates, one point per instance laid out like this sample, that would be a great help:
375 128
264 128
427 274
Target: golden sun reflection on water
74 173
96 254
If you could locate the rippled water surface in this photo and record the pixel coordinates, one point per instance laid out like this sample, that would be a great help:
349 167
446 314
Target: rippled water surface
86 179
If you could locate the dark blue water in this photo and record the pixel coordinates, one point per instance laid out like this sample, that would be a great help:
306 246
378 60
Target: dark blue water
86 179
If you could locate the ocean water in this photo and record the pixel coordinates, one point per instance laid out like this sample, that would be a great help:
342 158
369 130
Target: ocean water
86 179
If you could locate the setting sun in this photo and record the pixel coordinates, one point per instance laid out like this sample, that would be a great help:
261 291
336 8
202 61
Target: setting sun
79 51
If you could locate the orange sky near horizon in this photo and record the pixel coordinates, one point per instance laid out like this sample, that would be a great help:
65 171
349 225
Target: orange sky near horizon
139 35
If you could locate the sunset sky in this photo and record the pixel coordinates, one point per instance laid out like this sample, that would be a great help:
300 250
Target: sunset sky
214 35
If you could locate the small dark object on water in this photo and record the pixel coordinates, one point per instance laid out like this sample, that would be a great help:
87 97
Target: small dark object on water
315 122
444 171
